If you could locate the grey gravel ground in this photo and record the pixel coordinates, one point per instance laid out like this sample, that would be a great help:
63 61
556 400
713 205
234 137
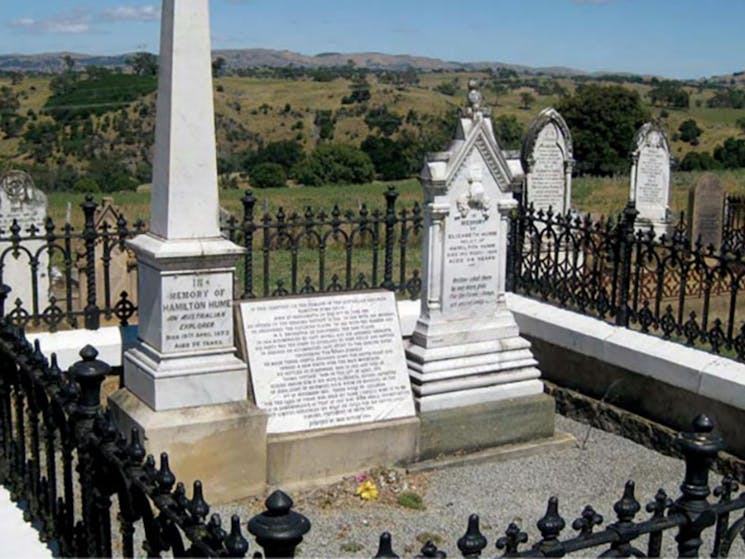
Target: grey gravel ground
593 472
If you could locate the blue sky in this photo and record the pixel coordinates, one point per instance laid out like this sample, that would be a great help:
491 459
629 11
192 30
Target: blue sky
676 38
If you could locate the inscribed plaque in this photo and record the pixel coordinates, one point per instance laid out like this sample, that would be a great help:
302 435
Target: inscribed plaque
197 312
327 360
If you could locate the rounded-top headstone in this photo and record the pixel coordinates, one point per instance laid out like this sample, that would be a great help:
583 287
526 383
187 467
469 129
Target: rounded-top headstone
546 157
650 175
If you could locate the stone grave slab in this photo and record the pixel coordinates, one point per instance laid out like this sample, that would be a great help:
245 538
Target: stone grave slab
707 211
326 361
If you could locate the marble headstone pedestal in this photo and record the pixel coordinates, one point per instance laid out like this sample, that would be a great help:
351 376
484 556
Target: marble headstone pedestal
184 387
474 378
650 179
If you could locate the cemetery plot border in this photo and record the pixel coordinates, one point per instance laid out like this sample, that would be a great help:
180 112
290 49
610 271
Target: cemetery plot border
317 252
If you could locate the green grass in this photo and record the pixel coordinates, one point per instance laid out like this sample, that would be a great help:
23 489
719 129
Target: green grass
608 195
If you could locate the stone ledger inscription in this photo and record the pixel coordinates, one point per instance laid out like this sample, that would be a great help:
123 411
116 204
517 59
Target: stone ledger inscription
547 186
471 251
327 361
197 312
650 178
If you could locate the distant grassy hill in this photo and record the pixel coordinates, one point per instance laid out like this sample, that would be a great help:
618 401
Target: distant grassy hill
116 112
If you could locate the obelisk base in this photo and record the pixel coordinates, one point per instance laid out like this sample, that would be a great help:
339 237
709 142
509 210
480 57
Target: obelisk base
224 445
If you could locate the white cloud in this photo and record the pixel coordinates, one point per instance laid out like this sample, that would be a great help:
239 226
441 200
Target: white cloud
79 21
73 22
131 13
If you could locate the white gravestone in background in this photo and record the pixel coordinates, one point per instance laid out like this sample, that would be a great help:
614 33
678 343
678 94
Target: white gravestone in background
547 162
21 201
327 361
465 348
650 178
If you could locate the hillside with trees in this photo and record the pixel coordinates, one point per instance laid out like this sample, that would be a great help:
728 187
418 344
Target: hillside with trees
92 129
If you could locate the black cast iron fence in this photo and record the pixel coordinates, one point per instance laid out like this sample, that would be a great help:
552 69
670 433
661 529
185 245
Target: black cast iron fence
689 515
52 427
289 254
286 254
59 301
665 285
63 459
733 229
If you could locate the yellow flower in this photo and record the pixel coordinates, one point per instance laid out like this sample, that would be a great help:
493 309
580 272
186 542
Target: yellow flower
367 490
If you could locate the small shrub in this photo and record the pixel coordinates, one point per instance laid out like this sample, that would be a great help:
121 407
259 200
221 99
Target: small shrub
351 547
268 175
335 164
86 185
411 500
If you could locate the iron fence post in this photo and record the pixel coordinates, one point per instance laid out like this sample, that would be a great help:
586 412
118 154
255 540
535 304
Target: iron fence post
390 229
279 530
514 249
625 245
4 290
249 227
92 313
699 449
89 373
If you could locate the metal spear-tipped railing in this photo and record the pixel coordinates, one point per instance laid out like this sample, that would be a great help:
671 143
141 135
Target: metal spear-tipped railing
52 425
688 516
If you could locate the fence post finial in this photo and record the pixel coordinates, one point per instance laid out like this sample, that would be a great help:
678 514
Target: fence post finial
89 373
279 530
699 448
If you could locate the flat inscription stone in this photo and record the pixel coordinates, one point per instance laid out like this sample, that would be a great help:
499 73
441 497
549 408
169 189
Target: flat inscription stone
651 187
197 312
327 361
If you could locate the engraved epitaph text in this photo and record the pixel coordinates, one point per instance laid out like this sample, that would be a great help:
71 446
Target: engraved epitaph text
197 312
327 361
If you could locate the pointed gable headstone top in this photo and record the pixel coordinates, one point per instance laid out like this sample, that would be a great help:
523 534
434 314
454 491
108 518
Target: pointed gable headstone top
474 134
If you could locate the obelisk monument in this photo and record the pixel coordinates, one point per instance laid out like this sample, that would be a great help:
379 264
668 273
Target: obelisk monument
184 387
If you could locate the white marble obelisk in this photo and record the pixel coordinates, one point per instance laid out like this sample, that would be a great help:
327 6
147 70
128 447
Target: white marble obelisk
185 351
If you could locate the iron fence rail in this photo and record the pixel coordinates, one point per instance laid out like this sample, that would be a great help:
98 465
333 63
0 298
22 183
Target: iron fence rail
665 285
286 254
63 458
60 247
52 427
